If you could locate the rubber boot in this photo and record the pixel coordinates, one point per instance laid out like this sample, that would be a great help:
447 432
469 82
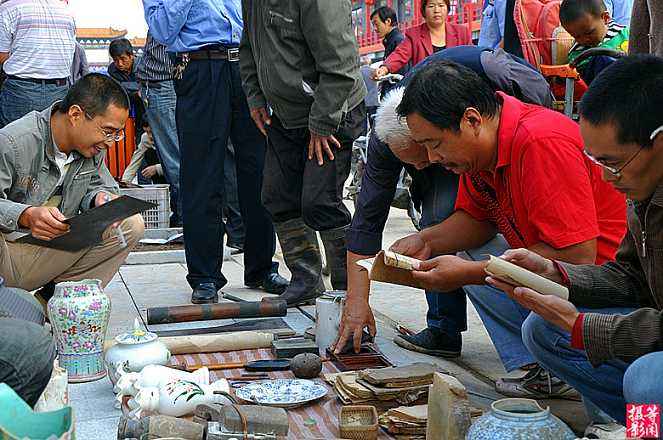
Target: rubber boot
334 242
301 253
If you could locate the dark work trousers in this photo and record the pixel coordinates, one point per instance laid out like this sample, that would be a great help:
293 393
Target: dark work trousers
212 107
297 187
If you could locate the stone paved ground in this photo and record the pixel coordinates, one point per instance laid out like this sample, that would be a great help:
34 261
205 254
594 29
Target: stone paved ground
137 287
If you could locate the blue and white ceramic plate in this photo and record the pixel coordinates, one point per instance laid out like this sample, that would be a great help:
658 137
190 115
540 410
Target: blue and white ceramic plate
282 393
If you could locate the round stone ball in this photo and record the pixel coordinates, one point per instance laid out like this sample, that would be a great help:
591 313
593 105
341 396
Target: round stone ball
306 366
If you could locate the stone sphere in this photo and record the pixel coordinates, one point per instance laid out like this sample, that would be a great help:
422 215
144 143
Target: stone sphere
306 366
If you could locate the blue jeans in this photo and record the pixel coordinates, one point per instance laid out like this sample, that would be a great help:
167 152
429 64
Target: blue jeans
502 316
18 98
446 311
160 103
609 386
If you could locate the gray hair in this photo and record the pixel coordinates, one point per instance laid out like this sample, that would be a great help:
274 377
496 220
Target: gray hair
389 127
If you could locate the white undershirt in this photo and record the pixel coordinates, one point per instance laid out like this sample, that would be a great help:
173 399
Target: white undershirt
62 161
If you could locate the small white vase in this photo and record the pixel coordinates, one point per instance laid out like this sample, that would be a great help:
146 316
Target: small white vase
178 398
134 351
154 376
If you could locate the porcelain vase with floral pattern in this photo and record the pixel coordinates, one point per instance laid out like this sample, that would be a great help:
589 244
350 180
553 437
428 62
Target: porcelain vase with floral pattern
79 312
519 419
178 398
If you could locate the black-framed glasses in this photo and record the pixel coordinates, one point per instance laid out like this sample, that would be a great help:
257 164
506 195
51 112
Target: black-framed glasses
617 172
115 135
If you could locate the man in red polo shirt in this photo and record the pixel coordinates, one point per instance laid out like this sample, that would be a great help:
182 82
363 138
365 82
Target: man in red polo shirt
523 175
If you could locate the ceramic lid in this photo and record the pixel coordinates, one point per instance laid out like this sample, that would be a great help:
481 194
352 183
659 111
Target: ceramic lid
136 336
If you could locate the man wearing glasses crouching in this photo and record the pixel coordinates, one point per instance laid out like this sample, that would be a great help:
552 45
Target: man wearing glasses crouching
51 168
611 356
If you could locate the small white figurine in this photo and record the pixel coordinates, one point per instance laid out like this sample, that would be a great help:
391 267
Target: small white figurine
153 376
178 398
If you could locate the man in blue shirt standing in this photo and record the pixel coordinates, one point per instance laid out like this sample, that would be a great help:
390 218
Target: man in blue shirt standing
204 36
492 23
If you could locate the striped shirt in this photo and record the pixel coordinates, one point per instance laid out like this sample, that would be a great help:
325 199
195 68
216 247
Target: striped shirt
616 38
155 64
40 37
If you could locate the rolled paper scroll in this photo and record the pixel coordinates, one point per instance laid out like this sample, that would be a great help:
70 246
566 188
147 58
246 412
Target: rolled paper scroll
517 276
218 343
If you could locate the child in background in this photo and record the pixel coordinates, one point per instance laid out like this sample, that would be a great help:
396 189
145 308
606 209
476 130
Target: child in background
145 161
590 24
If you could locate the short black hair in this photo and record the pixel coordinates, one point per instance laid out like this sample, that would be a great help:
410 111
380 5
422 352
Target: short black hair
572 10
119 47
385 12
629 95
442 90
424 3
94 93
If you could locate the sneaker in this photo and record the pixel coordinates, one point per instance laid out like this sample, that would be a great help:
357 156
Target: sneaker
608 431
433 342
536 384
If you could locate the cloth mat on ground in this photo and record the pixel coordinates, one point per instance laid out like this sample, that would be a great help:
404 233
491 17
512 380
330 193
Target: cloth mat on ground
318 420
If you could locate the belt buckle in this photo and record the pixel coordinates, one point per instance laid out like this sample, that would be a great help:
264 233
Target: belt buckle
233 54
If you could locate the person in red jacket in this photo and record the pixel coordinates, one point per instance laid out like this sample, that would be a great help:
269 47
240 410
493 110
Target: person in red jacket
435 34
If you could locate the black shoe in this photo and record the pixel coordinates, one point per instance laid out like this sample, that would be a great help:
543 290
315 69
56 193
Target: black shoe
536 384
433 342
236 248
272 283
205 293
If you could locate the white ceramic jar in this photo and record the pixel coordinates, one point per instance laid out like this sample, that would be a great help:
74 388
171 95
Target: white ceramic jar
135 350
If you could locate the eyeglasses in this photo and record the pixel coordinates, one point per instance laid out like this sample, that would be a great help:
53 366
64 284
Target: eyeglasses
617 172
114 135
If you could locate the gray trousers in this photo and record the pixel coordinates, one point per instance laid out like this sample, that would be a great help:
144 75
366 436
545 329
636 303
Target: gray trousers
27 352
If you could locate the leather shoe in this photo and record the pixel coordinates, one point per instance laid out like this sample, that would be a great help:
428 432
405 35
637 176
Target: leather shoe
272 283
205 293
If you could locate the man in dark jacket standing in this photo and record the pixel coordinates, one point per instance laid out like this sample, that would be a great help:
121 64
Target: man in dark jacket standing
211 108
300 58
385 22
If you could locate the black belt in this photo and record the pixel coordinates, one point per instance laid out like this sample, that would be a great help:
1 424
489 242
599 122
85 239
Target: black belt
230 54
56 81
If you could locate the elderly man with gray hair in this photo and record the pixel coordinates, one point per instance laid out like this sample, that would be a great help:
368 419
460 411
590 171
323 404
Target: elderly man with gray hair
434 188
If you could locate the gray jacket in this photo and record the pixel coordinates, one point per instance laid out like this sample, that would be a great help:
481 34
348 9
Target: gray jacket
300 57
29 174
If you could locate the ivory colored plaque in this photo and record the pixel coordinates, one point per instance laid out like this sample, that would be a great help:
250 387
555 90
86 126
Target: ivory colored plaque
520 277
390 267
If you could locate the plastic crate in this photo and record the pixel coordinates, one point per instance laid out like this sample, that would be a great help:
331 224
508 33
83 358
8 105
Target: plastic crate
158 217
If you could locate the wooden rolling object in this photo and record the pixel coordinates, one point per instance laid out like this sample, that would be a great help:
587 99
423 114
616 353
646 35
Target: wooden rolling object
204 312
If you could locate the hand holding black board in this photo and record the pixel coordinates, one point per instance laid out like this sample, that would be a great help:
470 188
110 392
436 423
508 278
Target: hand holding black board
87 228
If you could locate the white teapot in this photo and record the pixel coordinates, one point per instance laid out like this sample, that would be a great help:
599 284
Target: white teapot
178 398
153 376
135 350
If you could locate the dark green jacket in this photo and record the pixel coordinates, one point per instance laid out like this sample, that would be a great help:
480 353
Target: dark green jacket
300 57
